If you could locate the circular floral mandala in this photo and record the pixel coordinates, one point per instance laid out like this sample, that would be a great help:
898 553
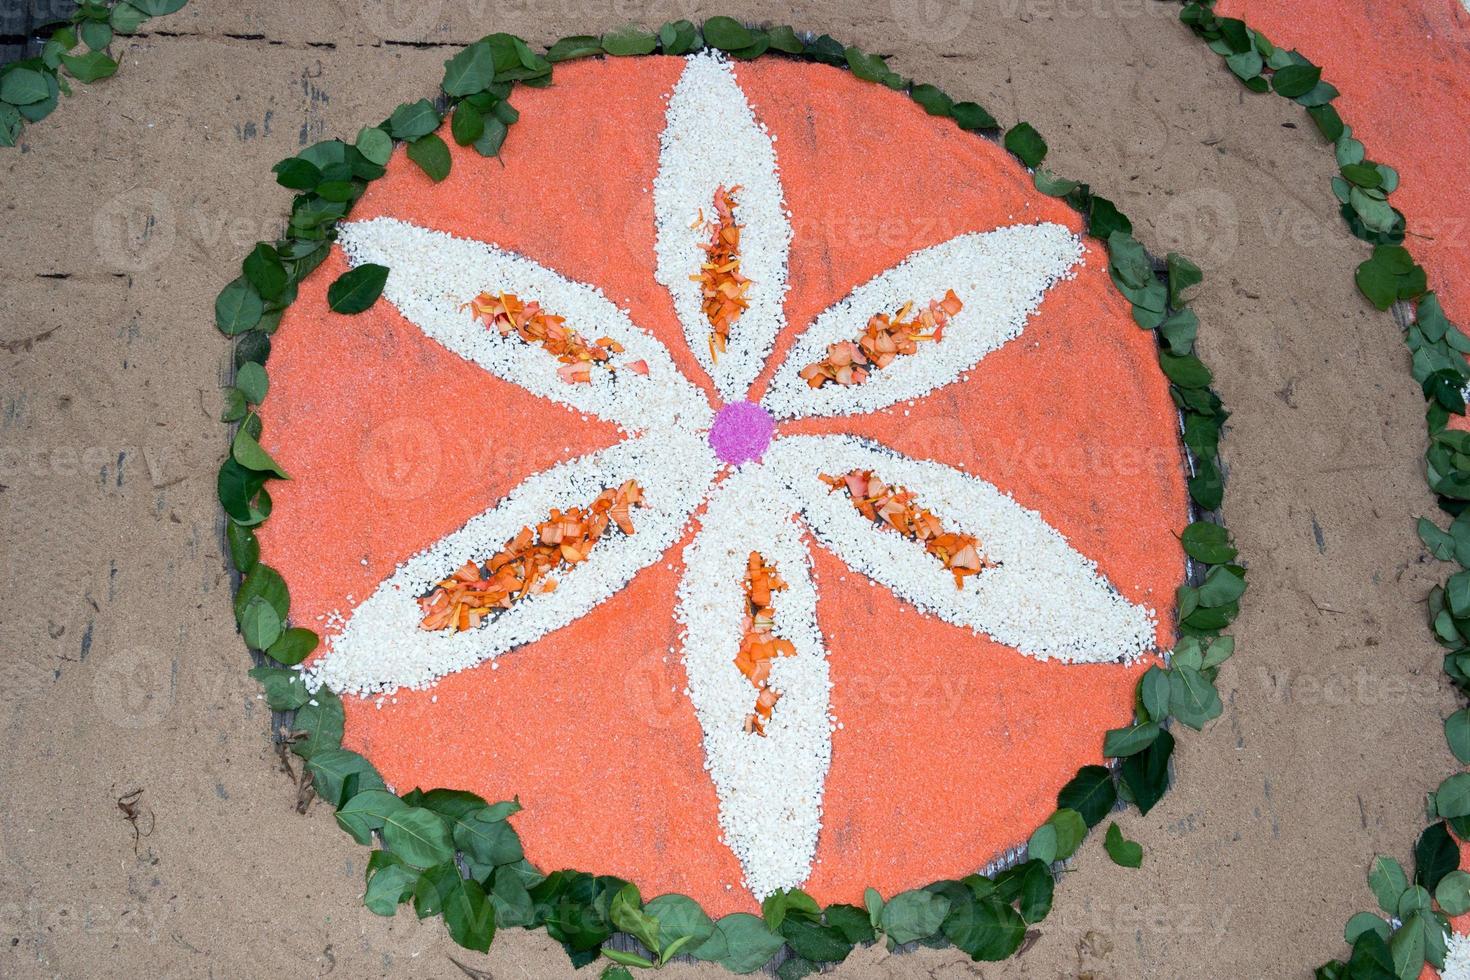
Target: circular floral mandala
753 474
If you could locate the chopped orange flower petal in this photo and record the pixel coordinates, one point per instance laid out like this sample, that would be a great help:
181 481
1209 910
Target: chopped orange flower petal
523 566
884 340
760 644
506 313
894 507
722 287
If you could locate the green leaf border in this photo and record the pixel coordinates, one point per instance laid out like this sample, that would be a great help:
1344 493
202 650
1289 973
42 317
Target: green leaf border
92 26
1411 933
486 880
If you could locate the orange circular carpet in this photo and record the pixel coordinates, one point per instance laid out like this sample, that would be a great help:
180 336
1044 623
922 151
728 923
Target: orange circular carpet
949 747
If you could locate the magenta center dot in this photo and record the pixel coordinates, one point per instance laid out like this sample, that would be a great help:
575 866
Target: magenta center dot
741 432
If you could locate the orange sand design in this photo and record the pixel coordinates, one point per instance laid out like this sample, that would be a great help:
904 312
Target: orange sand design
1403 68
953 747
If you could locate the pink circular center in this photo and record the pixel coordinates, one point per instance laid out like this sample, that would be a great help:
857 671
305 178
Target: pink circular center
741 432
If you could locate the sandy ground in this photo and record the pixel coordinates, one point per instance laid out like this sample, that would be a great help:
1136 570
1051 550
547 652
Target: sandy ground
125 213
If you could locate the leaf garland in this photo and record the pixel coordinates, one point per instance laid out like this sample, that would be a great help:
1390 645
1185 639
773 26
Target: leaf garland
450 853
30 88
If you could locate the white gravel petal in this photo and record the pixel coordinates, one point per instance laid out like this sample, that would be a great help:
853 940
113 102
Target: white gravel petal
432 275
711 138
770 789
1000 276
382 648
1045 599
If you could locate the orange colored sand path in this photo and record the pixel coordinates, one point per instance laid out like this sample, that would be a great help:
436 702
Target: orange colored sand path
1403 68
952 747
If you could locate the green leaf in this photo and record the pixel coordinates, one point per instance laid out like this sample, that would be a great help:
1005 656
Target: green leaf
366 812
1124 852
783 902
1222 586
1182 275
158 8
814 941
238 307
1192 698
854 923
629 41
1364 922
1122 742
390 884
1051 185
244 548
413 120
1186 372
319 723
986 928
933 99
727 34
252 381
1457 733
24 86
1146 775
568 48
126 18
267 583
1371 959
375 145
748 944
679 919
487 837
1153 693
283 688
249 454
971 116
468 124
620 972
333 769
1207 542
1042 845
432 156
627 915
1435 855
1452 799
358 289
297 174
419 836
1407 948
467 912
471 70
1453 893
1026 143
1091 793
1387 881
1070 829
1295 80
259 623
293 646
96 34
10 124
913 915
89 67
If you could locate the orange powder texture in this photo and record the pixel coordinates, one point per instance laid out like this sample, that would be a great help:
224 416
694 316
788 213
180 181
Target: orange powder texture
952 746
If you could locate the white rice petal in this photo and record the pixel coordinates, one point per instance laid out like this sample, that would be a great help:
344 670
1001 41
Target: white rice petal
769 788
432 275
1457 957
1045 599
1001 278
382 648
711 138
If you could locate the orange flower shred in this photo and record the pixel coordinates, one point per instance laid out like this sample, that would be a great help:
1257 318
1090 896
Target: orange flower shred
884 340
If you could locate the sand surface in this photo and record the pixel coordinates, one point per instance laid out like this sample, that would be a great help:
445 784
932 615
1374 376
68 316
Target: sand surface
121 670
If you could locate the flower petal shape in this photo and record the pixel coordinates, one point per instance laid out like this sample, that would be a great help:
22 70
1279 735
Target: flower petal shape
769 787
382 646
433 275
711 139
1000 276
1041 596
